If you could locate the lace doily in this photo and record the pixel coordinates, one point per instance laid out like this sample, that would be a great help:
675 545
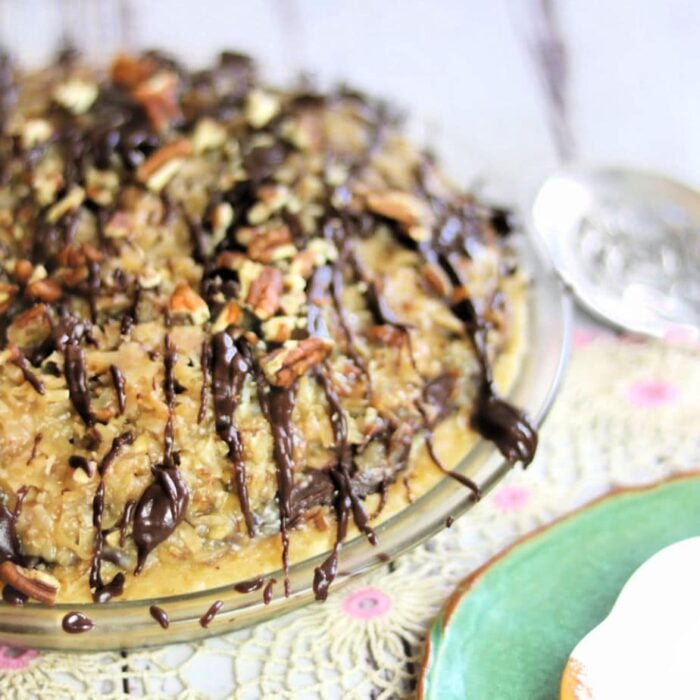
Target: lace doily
628 413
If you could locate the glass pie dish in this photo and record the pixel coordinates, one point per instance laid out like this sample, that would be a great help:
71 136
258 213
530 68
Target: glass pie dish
129 624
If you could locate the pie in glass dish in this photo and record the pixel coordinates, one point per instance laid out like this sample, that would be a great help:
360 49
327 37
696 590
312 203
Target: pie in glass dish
238 326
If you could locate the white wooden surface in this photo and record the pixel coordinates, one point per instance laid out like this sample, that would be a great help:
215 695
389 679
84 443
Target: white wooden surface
466 69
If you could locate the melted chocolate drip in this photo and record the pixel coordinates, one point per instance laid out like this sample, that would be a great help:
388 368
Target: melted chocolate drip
169 360
267 592
21 361
160 616
13 597
9 542
102 592
253 584
210 614
132 315
77 623
159 511
280 405
205 364
230 368
346 500
119 387
76 377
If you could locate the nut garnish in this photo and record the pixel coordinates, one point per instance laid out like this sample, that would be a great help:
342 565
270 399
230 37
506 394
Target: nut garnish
158 96
129 71
282 367
7 294
76 95
46 289
184 300
264 293
260 108
230 315
400 206
35 584
69 203
273 244
208 135
158 168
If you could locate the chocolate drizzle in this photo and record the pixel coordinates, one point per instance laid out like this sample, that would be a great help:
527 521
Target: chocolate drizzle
169 360
159 511
77 623
76 377
21 361
230 367
119 387
160 616
102 593
253 584
205 364
280 407
210 614
346 499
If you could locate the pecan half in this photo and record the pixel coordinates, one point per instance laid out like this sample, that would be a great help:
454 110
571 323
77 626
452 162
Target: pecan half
34 584
160 166
271 245
184 300
265 292
46 289
400 206
282 367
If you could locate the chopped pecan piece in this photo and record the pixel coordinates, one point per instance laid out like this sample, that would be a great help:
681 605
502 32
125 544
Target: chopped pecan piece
230 315
77 255
400 206
30 328
23 270
129 71
388 335
160 166
271 245
282 367
7 294
34 584
265 292
158 97
45 289
185 300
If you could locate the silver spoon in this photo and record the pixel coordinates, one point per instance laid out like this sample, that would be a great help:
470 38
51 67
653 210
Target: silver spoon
628 245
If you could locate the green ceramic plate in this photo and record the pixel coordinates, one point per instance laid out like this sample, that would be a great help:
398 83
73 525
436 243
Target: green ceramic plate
508 630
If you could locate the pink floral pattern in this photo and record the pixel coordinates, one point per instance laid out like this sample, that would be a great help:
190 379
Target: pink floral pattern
651 393
511 498
366 603
582 336
14 659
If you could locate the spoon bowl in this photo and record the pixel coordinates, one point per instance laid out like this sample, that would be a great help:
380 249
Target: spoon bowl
628 245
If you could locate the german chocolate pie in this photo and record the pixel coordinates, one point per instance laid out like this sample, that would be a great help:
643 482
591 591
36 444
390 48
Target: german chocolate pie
239 325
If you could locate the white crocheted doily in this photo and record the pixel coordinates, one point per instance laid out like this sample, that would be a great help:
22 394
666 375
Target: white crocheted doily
629 412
